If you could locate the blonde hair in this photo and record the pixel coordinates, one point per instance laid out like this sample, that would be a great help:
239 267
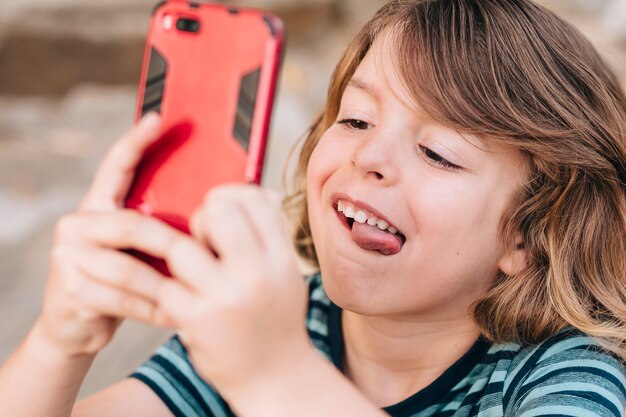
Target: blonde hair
513 72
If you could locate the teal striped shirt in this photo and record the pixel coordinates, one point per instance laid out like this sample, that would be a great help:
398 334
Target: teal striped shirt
567 375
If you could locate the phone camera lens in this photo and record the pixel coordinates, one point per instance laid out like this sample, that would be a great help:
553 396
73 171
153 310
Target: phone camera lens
188 25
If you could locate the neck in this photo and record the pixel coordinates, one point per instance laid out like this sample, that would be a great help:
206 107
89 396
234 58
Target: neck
406 355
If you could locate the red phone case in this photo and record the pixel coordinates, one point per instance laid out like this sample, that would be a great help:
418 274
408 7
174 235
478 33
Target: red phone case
213 83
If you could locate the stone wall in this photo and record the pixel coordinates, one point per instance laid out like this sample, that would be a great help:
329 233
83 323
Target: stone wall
68 70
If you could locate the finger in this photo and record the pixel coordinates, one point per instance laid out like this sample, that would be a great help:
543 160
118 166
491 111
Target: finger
128 229
192 264
262 209
231 233
106 300
116 172
196 228
265 209
112 302
120 229
176 301
119 270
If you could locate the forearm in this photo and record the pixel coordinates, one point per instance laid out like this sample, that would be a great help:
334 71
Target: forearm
312 387
40 380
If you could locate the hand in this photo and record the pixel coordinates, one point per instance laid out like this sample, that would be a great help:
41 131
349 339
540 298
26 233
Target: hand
240 305
92 285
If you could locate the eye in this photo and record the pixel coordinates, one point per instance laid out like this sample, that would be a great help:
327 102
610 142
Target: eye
355 124
436 159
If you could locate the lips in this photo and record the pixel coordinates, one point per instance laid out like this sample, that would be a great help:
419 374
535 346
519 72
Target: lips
369 229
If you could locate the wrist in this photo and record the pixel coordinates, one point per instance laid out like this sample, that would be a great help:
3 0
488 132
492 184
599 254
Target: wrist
40 367
41 344
267 393
308 386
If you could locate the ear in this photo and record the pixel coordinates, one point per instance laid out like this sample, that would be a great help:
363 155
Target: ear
513 260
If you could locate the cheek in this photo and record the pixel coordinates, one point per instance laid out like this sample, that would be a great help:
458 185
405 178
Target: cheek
314 170
319 169
325 160
315 178
442 207
313 190
456 227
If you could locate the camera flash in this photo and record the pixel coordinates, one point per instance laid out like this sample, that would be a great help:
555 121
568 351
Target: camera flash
168 22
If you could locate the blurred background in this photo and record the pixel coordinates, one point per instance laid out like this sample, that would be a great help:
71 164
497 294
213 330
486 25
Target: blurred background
68 74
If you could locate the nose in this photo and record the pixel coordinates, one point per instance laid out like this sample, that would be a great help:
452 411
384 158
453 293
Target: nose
373 158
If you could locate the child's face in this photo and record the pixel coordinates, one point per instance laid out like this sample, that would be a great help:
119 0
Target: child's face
387 160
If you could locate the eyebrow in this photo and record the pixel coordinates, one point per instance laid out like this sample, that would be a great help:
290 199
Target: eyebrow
365 87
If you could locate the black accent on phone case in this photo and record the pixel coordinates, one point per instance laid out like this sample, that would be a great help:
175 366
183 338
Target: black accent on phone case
155 83
245 107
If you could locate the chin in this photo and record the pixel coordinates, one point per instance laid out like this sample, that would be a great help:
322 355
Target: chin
350 291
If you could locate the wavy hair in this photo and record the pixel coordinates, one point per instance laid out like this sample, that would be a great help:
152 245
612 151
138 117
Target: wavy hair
513 72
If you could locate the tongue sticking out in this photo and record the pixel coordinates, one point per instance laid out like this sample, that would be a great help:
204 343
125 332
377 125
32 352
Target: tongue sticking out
372 238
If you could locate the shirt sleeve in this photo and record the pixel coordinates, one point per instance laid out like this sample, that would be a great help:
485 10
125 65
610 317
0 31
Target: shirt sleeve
171 376
569 377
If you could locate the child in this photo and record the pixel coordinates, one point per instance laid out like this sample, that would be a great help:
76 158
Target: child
464 196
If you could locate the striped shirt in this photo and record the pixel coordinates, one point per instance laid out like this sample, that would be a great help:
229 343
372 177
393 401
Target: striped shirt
567 375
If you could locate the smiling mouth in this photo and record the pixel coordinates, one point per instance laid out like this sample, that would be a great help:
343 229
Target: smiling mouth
369 231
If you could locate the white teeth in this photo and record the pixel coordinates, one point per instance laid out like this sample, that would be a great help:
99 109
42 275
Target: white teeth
360 216
382 225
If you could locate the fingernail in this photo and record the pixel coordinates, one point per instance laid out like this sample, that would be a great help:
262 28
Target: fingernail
149 120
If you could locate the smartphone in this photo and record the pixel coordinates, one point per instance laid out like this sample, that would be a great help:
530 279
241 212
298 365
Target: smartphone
211 71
